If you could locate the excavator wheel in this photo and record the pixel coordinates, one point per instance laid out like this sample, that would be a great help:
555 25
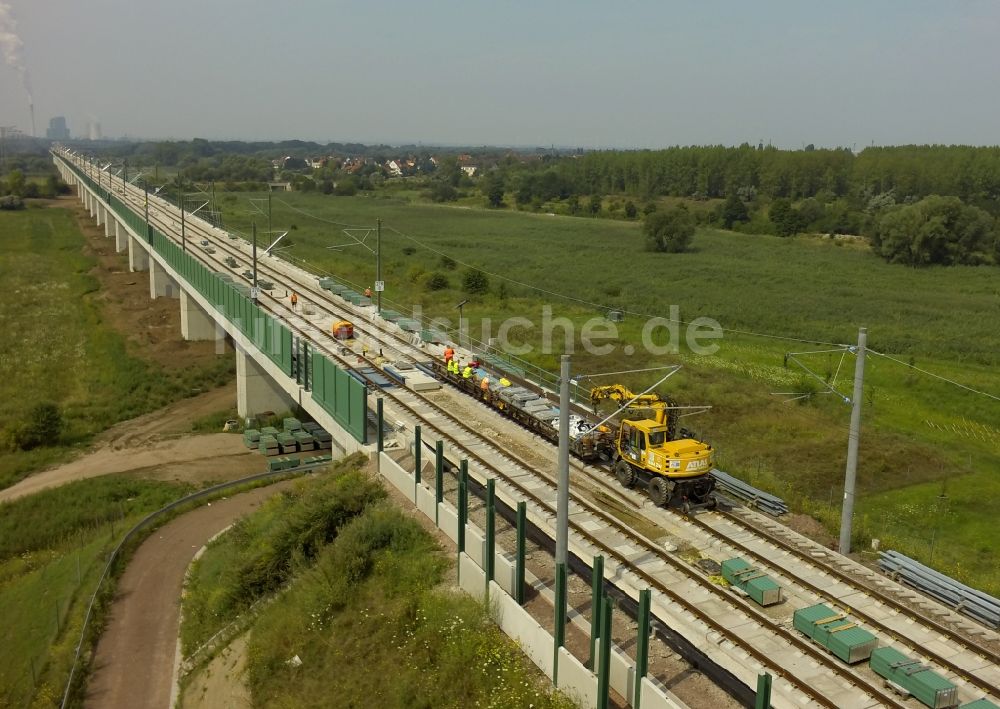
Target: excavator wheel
625 473
659 492
713 503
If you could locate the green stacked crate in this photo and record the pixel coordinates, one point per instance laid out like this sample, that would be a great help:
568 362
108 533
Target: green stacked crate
925 685
324 441
305 440
287 443
275 464
325 283
409 324
269 431
251 437
752 581
291 424
391 315
311 426
268 445
293 462
347 294
835 632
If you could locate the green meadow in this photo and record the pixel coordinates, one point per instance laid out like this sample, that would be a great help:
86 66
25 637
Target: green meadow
59 348
930 451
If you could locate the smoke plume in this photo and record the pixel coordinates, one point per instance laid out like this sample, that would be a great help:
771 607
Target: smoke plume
11 46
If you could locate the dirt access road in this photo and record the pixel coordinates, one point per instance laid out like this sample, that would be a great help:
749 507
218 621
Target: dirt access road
160 446
134 660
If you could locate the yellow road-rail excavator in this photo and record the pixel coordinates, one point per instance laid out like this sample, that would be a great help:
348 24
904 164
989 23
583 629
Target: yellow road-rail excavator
654 451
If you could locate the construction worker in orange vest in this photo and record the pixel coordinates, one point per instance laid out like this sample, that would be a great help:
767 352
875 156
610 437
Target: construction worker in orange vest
449 354
368 292
485 384
295 300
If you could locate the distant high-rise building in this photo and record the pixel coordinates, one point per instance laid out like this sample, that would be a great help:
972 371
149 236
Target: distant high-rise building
57 129
94 130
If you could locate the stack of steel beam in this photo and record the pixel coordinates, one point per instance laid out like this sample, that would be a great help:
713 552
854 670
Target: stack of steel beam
965 600
763 501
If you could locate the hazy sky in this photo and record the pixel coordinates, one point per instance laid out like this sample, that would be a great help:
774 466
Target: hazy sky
574 73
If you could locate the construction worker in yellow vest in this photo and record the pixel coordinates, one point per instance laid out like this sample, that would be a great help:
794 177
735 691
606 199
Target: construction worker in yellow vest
453 366
467 372
504 382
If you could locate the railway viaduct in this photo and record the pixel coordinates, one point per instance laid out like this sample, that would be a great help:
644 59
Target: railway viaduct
274 369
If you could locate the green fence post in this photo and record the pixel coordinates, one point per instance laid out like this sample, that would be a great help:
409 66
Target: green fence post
642 645
604 669
438 477
463 503
560 620
491 531
763 700
596 594
522 520
379 415
416 454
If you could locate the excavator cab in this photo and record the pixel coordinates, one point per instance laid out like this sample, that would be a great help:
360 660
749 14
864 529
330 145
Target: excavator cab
646 444
656 453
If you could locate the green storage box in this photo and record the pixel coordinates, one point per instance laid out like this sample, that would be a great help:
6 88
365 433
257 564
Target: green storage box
268 445
391 315
269 431
275 464
291 424
835 632
347 294
752 581
305 441
251 437
926 686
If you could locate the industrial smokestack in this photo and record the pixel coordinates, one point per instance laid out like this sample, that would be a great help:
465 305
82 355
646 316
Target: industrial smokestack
11 46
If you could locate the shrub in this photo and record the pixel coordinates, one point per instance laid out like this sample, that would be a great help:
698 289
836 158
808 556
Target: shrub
43 428
437 281
475 282
669 231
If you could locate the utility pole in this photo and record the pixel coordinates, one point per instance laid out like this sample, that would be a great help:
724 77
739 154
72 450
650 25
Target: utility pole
562 504
253 291
379 285
180 201
124 174
847 513
562 518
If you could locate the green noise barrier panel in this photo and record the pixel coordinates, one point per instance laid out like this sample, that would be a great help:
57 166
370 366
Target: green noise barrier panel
341 395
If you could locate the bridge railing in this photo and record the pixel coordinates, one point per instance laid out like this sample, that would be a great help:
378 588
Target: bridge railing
341 395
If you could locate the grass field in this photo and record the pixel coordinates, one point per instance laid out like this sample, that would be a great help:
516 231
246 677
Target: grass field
361 579
59 348
930 451
53 547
